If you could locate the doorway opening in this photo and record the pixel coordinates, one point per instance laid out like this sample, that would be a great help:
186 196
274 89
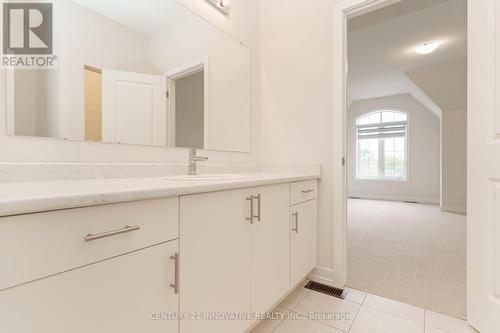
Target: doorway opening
406 152
187 110
93 103
187 107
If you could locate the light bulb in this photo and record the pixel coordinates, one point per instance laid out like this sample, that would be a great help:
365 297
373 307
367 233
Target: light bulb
427 47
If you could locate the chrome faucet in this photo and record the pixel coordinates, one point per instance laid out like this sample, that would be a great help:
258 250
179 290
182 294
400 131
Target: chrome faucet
193 159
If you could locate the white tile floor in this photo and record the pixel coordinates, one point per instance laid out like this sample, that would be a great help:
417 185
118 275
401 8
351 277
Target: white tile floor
365 313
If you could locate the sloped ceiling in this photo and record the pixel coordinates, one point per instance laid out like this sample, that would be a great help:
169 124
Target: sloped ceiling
381 48
445 84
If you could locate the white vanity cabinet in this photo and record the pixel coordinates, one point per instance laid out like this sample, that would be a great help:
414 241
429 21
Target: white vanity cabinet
141 266
303 227
97 269
270 248
122 294
235 254
34 246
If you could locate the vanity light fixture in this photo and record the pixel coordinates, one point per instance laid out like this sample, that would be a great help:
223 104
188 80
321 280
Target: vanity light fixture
221 5
427 47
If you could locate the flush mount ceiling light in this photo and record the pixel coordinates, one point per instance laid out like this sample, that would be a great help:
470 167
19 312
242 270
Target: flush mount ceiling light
220 5
427 47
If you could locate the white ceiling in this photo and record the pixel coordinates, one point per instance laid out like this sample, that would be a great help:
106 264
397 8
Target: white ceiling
381 48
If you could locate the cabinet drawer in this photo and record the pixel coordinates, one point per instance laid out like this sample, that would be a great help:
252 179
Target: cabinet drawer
303 191
117 295
38 245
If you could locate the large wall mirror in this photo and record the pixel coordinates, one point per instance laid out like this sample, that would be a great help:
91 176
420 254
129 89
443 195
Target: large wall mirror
136 72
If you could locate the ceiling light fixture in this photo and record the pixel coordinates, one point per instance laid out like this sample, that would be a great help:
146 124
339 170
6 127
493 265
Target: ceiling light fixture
221 5
427 47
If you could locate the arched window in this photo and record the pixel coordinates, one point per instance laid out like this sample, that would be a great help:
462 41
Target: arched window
382 149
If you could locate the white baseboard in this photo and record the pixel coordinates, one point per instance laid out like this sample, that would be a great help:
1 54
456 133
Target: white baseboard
454 209
322 275
434 201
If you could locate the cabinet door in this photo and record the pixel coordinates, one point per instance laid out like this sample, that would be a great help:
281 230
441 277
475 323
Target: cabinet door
215 264
270 247
117 295
303 247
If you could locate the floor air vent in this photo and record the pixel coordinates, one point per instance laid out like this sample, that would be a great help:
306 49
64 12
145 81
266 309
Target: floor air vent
324 289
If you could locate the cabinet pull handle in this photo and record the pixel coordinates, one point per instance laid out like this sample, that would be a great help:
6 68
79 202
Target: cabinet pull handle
308 191
128 228
296 229
251 209
259 211
175 285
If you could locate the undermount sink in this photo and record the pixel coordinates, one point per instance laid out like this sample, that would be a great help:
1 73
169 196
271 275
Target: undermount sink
209 177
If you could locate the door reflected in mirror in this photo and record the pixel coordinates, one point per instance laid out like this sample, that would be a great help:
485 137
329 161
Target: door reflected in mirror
132 74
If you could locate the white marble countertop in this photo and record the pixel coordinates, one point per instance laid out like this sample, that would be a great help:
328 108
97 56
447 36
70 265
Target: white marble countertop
32 197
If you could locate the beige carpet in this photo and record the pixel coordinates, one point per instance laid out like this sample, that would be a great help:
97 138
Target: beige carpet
412 253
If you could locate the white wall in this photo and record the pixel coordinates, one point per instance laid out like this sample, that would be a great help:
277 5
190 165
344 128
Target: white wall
454 182
88 38
297 117
423 184
242 23
228 74
24 100
36 102
28 149
446 84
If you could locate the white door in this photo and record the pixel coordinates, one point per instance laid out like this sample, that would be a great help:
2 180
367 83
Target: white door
270 247
215 262
303 240
134 108
122 294
483 222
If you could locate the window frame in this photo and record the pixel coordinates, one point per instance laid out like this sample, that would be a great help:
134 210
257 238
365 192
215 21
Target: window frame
379 178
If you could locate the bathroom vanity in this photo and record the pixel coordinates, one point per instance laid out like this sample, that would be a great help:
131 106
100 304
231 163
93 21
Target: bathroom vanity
153 254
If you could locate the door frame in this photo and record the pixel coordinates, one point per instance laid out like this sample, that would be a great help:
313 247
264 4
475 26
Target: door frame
178 73
342 9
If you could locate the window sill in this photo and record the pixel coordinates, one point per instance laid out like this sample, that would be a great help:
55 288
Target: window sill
383 180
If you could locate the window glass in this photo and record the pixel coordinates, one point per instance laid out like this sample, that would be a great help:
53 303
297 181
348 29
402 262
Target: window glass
399 116
388 117
382 145
392 116
394 158
368 154
373 118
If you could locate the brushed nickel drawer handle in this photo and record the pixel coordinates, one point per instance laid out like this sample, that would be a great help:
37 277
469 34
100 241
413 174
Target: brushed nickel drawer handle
128 228
296 229
175 285
259 203
250 219
307 191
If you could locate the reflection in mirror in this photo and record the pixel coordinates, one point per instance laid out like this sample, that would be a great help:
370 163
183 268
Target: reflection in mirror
93 104
188 109
35 99
134 74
